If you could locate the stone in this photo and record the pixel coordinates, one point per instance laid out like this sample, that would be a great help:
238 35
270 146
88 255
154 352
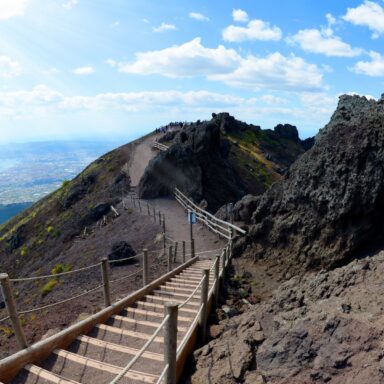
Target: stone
121 250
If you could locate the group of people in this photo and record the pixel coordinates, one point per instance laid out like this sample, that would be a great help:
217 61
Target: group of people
169 127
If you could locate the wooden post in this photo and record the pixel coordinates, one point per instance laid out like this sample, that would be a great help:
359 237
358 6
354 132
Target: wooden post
149 212
170 259
105 274
230 244
183 251
170 341
217 278
175 254
159 218
134 202
164 223
154 214
138 201
192 248
224 260
145 267
204 302
12 310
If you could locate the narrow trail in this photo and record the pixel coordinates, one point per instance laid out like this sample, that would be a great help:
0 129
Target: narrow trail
176 223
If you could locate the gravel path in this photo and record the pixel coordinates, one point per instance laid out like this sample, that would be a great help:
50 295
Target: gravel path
177 227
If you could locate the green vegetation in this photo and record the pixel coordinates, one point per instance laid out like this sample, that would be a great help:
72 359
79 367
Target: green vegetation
50 229
61 268
48 287
65 183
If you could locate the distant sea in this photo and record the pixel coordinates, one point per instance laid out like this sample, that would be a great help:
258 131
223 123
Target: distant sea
10 210
30 171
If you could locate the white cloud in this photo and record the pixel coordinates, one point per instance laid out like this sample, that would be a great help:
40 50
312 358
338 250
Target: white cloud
273 100
373 68
198 16
323 42
12 8
331 19
8 67
186 60
240 15
164 27
369 14
70 4
84 70
275 71
255 30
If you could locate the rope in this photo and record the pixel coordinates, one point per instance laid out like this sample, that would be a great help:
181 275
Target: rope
55 275
160 379
139 354
192 294
126 259
125 277
188 334
5 318
59 302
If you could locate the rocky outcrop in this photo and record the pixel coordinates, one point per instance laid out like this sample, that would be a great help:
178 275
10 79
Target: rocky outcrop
220 160
329 206
197 163
321 328
120 251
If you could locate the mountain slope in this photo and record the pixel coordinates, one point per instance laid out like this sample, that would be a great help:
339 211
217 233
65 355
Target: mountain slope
221 160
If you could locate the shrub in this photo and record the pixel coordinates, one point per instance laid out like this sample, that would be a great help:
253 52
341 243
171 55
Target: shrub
50 229
48 287
61 268
65 183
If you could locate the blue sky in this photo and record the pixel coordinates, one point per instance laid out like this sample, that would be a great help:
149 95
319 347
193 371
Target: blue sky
93 69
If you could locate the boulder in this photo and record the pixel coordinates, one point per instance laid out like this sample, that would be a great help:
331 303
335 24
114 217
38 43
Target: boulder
121 250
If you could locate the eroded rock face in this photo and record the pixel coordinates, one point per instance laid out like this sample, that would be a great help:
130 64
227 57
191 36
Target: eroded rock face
330 204
321 328
197 163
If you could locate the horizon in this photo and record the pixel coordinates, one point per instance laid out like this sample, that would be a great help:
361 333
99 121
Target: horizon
83 70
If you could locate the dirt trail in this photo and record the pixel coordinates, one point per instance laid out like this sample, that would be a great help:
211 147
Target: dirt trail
177 227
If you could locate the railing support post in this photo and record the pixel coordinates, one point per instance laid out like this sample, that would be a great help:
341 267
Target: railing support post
217 279
138 201
170 259
192 248
204 303
159 218
183 251
149 212
154 214
145 267
170 341
106 288
175 254
164 223
224 260
12 310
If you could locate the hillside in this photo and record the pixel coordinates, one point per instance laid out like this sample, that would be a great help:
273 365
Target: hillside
221 160
7 211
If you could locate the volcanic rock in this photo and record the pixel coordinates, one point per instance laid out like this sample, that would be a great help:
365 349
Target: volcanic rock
121 250
330 204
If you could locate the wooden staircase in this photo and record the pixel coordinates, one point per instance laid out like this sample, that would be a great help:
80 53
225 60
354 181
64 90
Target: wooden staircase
100 354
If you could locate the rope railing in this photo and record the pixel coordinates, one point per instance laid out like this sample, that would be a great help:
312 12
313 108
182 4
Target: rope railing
219 226
125 259
59 302
22 279
161 378
126 277
190 297
159 146
4 319
140 353
190 330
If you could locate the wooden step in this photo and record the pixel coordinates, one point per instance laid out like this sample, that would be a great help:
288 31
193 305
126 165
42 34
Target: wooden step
139 311
105 367
134 322
180 296
162 299
127 332
119 348
180 284
47 376
160 307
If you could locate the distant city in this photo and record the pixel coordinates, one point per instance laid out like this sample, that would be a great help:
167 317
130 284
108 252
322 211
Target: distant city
31 171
